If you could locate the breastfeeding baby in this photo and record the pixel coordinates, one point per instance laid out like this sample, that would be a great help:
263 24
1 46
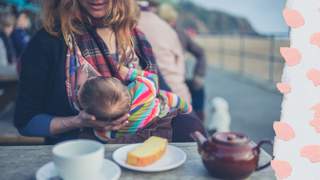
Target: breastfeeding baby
108 99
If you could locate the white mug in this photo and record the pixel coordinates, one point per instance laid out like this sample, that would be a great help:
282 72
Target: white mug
78 159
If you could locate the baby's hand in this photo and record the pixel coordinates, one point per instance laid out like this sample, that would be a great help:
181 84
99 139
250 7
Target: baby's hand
134 63
124 72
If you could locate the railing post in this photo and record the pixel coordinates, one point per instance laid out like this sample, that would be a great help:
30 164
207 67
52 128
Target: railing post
242 53
221 49
271 63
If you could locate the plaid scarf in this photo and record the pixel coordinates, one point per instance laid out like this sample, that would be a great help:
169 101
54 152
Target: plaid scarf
88 56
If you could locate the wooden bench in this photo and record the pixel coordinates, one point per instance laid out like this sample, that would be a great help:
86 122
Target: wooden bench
9 81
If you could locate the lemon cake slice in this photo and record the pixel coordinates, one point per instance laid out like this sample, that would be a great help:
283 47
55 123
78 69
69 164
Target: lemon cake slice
148 152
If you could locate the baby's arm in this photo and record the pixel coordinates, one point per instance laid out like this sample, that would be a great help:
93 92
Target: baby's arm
144 77
174 101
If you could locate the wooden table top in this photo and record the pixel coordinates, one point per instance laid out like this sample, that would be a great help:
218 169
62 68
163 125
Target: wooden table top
22 162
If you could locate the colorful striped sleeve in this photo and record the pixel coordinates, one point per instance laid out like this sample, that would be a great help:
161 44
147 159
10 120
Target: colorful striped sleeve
149 79
174 101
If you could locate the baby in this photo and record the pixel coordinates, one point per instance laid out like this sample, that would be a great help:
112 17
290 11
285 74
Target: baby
108 99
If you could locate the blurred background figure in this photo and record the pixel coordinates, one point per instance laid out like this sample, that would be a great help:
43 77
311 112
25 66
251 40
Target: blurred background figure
220 118
7 51
153 6
20 36
167 50
169 14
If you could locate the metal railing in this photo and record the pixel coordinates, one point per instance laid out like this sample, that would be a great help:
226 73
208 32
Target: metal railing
244 52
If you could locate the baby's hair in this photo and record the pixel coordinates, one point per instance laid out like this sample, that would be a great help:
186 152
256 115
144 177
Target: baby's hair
105 97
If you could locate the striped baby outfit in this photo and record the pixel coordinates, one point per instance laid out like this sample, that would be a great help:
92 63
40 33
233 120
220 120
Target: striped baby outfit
145 103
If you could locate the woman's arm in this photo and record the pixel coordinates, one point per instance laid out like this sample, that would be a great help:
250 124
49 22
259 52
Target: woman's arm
63 124
44 125
37 66
38 126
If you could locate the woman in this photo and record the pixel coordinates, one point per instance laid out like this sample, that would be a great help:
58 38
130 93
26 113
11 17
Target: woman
84 37
7 52
196 86
20 36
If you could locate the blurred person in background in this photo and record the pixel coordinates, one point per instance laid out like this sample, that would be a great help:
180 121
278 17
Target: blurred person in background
167 50
7 50
20 37
170 15
153 6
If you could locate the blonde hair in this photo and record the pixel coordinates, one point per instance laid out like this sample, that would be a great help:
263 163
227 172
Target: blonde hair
6 19
105 97
167 13
63 17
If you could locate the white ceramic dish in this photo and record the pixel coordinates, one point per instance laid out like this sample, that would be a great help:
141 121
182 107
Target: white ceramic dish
172 158
109 171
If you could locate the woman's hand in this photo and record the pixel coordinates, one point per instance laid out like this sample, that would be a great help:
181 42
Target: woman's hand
197 83
124 72
88 120
83 120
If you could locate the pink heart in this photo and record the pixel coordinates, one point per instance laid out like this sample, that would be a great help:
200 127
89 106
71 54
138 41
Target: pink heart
312 152
314 75
282 168
284 88
315 39
283 131
293 18
315 123
291 55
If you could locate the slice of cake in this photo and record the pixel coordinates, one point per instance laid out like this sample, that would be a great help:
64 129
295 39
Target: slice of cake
148 152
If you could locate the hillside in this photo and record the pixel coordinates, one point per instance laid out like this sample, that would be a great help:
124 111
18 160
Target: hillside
201 19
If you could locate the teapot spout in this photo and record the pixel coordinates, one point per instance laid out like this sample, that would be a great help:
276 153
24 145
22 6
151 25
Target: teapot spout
199 138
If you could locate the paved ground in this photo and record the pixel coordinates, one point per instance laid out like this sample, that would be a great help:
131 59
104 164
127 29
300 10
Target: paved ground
253 110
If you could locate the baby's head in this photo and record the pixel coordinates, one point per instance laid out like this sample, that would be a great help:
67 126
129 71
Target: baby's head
105 97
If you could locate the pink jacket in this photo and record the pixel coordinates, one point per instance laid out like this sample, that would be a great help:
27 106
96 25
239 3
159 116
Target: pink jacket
168 52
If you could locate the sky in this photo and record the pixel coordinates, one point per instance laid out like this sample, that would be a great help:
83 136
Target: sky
265 16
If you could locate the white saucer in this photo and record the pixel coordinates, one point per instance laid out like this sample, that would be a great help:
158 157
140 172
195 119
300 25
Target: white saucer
109 171
172 158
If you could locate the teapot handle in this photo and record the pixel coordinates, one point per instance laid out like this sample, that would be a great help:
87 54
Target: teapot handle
258 149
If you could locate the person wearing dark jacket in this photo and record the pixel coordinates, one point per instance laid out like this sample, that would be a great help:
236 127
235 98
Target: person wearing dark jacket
168 14
7 51
82 43
20 36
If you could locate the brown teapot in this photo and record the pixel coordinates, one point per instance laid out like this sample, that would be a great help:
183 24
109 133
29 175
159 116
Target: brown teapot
229 155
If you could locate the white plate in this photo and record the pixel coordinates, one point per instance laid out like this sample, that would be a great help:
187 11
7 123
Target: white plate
109 171
172 158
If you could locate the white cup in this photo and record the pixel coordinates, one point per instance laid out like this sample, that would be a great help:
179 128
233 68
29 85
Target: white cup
78 159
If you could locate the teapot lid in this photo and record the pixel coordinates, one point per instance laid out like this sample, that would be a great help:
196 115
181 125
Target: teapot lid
232 139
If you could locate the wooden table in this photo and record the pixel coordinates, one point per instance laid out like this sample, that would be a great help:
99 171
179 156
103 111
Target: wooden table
22 162
9 81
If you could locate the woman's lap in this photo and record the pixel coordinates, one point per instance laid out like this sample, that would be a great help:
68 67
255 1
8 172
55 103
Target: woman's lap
183 125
